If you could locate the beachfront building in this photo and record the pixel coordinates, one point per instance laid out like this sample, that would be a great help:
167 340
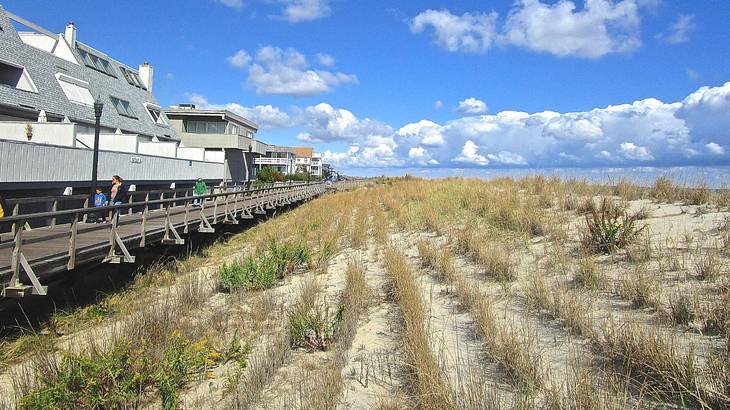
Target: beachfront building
48 85
291 160
222 134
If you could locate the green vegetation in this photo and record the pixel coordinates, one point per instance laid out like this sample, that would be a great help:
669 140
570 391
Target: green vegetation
117 378
314 327
268 175
609 228
261 272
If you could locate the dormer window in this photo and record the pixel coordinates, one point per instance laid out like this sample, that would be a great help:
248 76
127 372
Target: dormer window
17 77
97 63
123 107
76 90
132 78
155 113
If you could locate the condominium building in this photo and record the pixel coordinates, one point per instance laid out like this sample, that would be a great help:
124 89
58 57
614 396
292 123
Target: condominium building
48 85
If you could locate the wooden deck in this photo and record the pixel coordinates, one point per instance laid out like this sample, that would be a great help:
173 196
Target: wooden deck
29 256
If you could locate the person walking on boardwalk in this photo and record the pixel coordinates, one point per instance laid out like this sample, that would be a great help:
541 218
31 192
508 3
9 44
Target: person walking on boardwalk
118 194
200 189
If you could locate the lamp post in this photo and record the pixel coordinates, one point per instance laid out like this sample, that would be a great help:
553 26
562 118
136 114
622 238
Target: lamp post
98 107
250 167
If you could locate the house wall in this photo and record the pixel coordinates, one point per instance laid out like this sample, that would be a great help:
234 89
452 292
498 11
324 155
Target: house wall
56 133
30 163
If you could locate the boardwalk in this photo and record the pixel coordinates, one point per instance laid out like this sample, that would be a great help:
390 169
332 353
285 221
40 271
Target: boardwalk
27 257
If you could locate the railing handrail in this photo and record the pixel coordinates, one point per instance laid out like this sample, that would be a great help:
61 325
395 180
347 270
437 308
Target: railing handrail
88 210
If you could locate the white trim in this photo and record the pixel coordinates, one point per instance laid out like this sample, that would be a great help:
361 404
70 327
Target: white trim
63 78
25 76
162 119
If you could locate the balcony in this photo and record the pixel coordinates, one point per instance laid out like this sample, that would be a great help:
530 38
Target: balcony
271 161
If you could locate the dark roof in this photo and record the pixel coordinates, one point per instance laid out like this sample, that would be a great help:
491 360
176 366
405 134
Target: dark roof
43 67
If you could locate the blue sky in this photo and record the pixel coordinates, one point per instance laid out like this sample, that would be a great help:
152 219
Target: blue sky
380 83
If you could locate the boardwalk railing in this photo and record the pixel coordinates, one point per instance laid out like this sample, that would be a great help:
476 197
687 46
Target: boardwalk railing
57 247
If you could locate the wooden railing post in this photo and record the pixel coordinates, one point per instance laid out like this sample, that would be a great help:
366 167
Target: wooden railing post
72 243
54 208
86 214
143 241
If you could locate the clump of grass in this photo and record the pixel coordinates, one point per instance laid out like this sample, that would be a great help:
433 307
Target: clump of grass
428 384
708 266
314 327
653 361
664 189
497 261
609 228
628 190
641 289
699 195
558 302
588 276
643 213
682 309
640 250
250 274
116 378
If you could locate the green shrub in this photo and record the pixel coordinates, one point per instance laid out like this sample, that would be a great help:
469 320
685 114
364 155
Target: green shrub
288 256
314 328
251 274
609 228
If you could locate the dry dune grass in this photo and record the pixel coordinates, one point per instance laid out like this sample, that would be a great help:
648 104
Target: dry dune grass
632 282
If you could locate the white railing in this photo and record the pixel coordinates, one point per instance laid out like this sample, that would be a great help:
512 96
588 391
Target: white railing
271 161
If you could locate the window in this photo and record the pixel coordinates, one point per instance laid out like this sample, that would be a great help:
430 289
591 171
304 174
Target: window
232 129
16 77
76 90
155 114
132 78
123 107
205 127
96 62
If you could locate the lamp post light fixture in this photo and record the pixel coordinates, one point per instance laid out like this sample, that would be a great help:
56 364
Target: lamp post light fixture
98 108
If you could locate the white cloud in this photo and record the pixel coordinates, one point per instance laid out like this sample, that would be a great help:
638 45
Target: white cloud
472 106
468 33
631 151
240 59
265 116
599 28
470 155
324 123
297 11
287 72
438 105
326 60
560 28
169 76
679 31
715 148
235 4
508 158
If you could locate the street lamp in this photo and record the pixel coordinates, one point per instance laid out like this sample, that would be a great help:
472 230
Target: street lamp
250 166
98 108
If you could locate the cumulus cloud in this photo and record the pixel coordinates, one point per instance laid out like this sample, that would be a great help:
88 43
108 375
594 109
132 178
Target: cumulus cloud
325 123
599 28
679 31
469 154
240 59
297 11
265 116
472 106
468 33
631 151
645 132
287 72
560 28
715 148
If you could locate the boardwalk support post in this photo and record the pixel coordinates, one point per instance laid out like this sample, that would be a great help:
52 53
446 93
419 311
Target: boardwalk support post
169 227
18 262
114 241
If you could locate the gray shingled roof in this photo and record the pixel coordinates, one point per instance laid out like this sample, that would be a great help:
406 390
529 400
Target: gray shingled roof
42 68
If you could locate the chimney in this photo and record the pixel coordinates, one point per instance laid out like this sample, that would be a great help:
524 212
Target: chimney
145 74
70 34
